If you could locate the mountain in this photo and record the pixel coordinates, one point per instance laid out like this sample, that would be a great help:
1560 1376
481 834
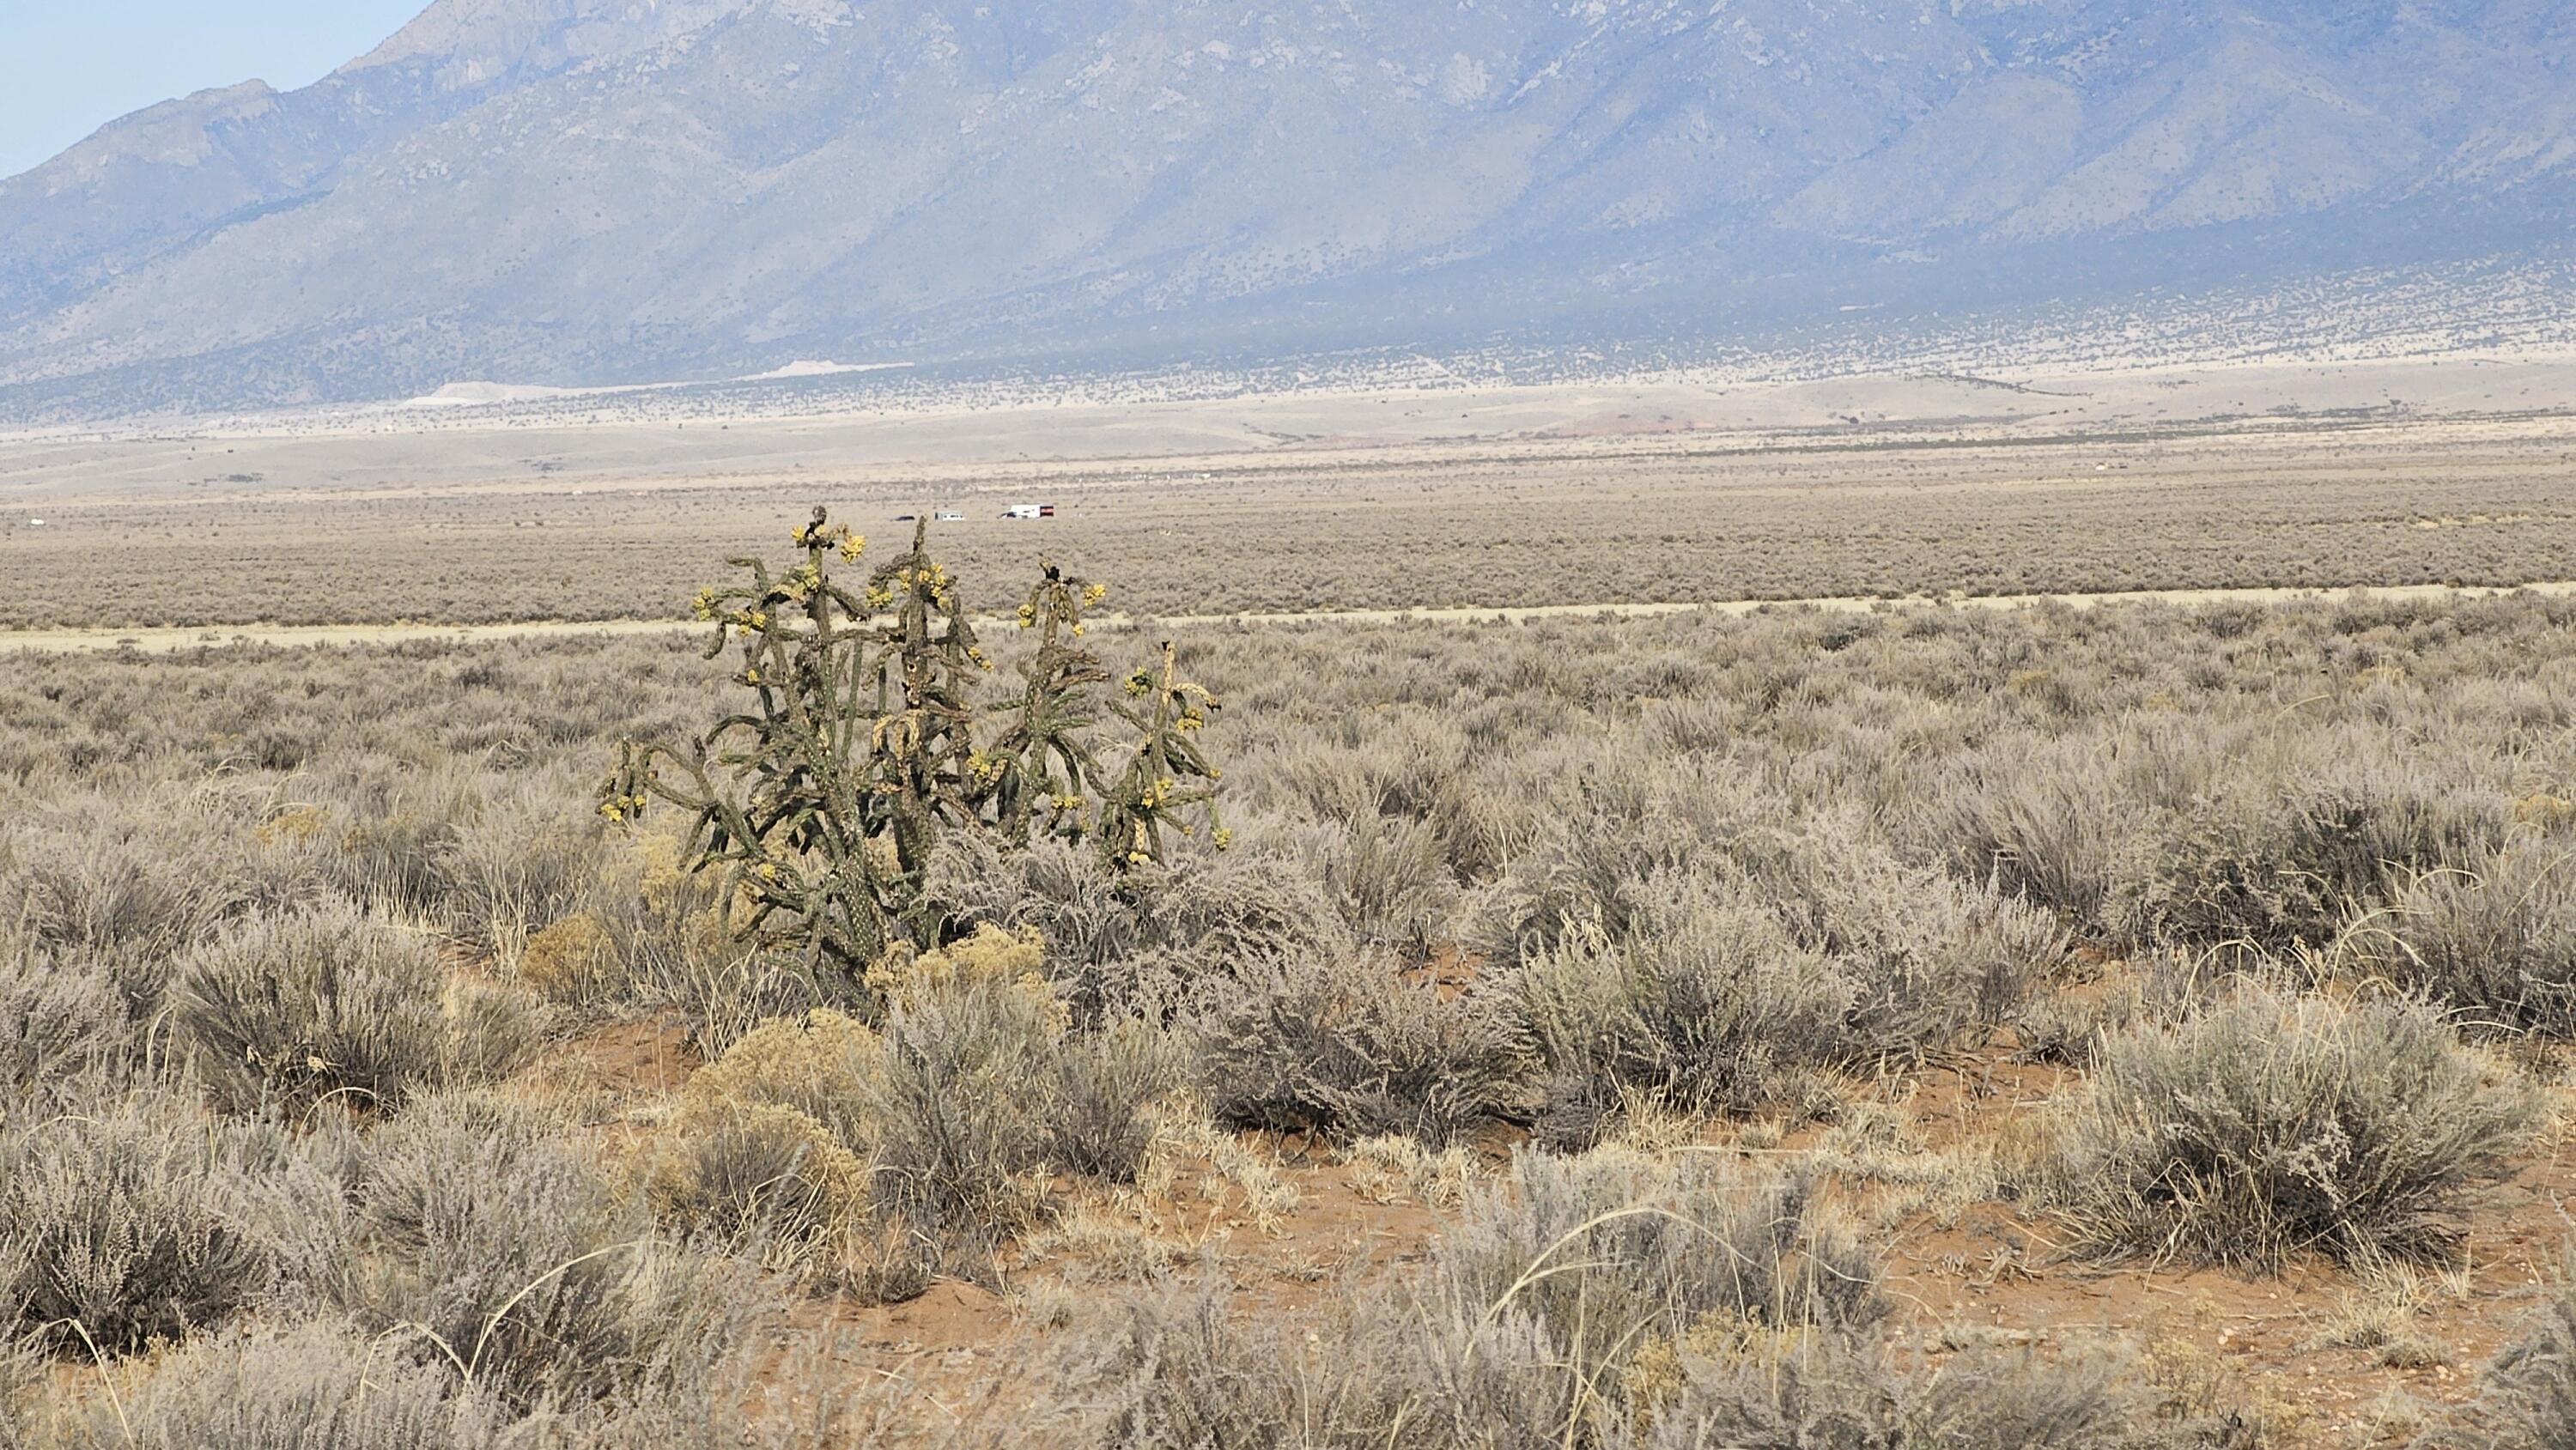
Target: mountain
585 191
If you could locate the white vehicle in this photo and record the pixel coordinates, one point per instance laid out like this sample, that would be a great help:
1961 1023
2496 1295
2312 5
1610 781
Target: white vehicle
948 516
1029 511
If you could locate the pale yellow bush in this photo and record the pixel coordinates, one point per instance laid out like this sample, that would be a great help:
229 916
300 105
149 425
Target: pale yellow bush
572 959
819 1064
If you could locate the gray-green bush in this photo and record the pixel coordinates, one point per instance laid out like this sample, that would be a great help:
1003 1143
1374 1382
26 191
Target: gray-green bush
329 1002
137 1220
2493 937
2273 1125
1357 1048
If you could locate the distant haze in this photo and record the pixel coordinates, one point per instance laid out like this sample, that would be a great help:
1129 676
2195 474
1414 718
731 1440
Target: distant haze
582 191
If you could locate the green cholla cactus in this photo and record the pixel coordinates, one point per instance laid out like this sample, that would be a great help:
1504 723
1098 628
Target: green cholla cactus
801 798
824 800
1046 767
1168 773
927 771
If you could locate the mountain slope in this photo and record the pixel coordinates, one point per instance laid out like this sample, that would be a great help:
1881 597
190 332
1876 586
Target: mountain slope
590 190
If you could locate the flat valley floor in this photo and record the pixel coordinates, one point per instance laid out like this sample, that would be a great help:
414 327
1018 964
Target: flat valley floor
2292 476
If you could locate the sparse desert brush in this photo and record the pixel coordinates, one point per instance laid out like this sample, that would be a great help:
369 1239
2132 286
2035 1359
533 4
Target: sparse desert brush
1357 1048
2529 1401
1520 1330
649 932
771 1151
958 1107
494 1242
328 1002
1154 943
1708 948
271 1386
2272 1125
1718 1390
139 1220
2494 937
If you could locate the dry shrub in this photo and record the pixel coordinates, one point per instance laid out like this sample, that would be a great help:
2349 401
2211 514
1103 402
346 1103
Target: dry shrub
1517 1334
2284 863
1104 1082
1720 943
2273 1125
1834 1392
2530 1397
649 933
820 1064
768 1181
1706 1004
494 1243
2495 938
63 1024
2045 822
957 1109
1168 937
394 837
1390 877
763 1152
139 1221
137 876
295 1009
571 960
287 1387
833 1136
519 863
1358 1050
1606 1250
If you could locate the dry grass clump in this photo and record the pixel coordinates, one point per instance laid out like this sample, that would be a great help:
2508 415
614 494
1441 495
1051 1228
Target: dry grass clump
2273 1125
2530 1397
1840 1393
327 1002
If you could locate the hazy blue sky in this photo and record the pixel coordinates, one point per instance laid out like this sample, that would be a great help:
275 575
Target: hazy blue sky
69 66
